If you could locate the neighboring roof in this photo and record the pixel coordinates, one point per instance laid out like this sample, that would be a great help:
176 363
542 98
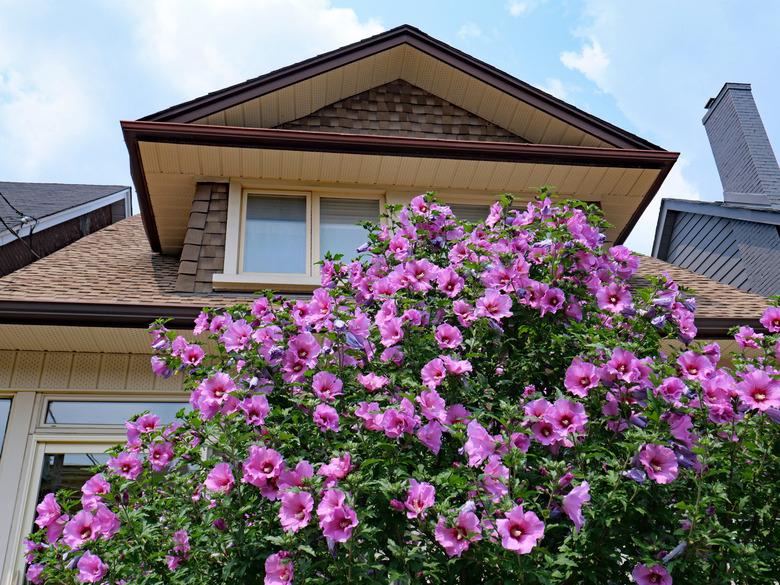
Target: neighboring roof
112 278
41 200
201 107
732 243
402 109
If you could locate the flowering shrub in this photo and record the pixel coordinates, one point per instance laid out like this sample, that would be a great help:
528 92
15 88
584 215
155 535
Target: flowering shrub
466 403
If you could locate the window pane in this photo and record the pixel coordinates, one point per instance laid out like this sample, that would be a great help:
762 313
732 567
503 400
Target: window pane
75 412
5 409
275 239
67 471
339 232
466 212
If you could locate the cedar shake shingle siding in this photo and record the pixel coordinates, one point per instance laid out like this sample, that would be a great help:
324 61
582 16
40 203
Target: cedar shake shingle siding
203 253
399 108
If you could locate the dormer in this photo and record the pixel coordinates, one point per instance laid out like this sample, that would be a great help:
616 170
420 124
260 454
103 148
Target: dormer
252 183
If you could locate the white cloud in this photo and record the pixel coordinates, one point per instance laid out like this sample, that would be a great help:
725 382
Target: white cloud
675 186
556 87
591 61
522 7
470 30
202 45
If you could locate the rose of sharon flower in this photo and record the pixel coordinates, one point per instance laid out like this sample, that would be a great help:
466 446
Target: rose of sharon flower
420 497
520 531
48 511
758 391
456 539
659 462
34 573
81 528
91 568
128 465
295 512
581 376
573 501
326 418
278 569
771 319
220 479
655 575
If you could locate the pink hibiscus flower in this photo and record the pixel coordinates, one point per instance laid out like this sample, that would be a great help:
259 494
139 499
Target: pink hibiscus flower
456 539
659 462
295 512
520 531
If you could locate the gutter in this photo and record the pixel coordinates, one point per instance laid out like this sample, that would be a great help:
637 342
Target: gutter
367 144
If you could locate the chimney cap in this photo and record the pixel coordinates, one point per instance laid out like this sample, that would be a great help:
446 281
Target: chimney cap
726 87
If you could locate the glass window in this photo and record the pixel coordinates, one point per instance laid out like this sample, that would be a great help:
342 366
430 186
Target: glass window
339 229
275 238
468 212
5 409
67 471
74 412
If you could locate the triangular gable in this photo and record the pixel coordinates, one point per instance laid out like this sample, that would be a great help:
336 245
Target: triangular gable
409 54
400 109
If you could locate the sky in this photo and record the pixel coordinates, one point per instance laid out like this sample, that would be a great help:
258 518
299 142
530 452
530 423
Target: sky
70 71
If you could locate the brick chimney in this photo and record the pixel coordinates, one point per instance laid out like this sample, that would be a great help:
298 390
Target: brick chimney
747 166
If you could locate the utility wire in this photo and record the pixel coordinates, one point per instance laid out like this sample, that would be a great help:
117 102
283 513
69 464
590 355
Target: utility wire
22 217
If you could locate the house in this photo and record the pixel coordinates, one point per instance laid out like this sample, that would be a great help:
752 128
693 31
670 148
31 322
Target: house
736 241
301 153
38 218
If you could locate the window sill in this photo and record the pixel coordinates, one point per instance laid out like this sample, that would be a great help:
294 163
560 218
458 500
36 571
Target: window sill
253 282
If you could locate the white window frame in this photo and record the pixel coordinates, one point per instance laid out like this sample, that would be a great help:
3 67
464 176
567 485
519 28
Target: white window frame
233 277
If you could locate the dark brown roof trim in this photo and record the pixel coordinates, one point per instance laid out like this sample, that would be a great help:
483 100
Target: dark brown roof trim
273 138
241 92
140 316
94 315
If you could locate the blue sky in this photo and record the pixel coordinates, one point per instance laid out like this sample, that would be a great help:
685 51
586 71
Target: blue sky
69 71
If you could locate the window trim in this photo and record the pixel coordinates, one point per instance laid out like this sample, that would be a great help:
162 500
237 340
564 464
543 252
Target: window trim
234 278
87 428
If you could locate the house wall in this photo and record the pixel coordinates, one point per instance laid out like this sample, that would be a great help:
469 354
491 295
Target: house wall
31 379
740 253
16 254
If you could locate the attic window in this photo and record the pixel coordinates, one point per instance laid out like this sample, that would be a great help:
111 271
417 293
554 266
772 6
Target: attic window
275 238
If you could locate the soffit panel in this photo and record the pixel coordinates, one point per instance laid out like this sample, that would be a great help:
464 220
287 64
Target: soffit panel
179 167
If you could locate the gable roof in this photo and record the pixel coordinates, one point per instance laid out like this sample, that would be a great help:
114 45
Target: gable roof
112 278
42 200
202 107
402 109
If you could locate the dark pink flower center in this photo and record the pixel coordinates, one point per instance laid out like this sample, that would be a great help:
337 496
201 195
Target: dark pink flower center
516 531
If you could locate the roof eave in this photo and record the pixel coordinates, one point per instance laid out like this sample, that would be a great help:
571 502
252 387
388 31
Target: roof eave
370 144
